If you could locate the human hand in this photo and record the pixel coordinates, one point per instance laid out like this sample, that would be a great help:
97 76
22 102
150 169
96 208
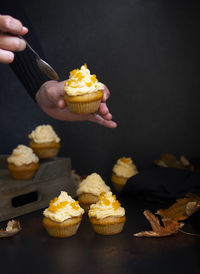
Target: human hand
9 44
50 99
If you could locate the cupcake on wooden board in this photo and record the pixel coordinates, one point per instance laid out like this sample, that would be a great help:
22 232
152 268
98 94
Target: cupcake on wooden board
107 216
83 92
23 163
44 141
122 171
89 190
63 216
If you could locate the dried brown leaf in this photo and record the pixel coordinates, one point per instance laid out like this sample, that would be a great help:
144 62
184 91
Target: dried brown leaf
184 161
192 207
170 160
182 208
160 163
169 227
167 157
13 227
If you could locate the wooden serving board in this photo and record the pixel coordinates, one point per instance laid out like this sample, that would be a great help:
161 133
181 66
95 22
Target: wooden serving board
18 197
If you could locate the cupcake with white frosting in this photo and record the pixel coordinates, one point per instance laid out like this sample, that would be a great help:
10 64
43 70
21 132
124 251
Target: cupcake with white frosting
89 190
63 216
44 141
22 163
122 171
107 216
82 91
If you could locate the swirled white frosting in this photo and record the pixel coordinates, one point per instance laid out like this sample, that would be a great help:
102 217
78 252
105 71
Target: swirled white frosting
82 82
93 184
44 134
106 206
62 208
22 155
125 168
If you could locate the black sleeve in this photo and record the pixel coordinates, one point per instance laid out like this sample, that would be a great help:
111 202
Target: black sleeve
24 64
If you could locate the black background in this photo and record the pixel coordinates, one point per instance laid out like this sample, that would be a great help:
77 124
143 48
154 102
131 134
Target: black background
146 52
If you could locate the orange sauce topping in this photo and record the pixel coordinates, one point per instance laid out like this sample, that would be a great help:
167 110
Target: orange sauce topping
106 202
125 160
115 205
75 205
101 195
79 76
70 82
73 72
93 78
89 84
53 208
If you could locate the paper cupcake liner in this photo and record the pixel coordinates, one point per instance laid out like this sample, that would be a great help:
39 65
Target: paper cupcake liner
84 107
23 172
108 229
62 232
45 151
118 182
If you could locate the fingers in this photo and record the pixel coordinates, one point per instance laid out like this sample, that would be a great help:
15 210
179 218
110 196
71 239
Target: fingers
108 117
103 109
55 94
105 117
11 25
24 30
106 94
11 43
6 57
104 112
50 94
61 104
96 118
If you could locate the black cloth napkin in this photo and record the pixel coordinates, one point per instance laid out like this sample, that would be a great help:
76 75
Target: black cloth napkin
163 184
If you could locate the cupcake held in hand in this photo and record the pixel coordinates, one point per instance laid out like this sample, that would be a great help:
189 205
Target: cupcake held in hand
63 216
23 163
44 142
83 92
122 171
107 216
89 190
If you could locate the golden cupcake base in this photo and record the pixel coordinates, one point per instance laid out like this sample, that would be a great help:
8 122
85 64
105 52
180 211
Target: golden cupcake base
64 229
45 150
108 226
23 172
86 199
118 182
84 104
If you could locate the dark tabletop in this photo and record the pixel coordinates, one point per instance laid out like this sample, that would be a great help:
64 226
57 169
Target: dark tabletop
33 251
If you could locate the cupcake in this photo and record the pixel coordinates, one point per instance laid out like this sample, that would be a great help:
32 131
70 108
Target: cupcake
107 216
89 190
63 216
83 92
44 142
22 163
122 171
